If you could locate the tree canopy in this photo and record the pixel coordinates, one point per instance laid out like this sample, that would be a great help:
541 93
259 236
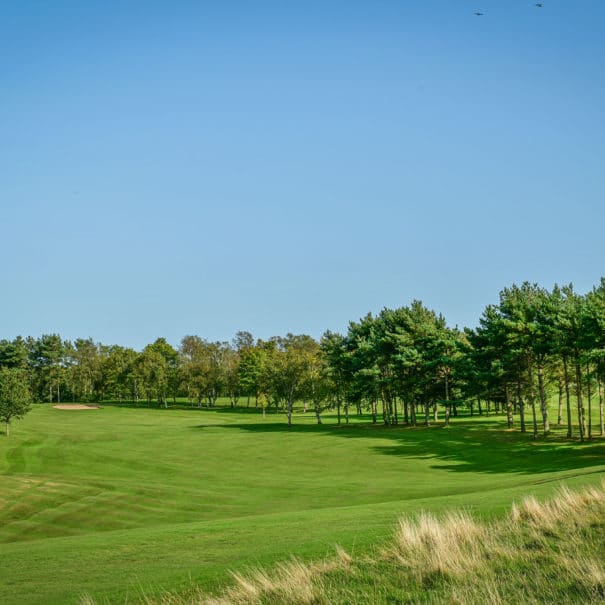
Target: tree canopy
404 365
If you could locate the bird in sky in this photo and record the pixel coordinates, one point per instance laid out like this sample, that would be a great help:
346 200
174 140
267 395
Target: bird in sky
478 13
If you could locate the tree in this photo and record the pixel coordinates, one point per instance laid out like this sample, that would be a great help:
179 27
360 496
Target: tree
492 365
287 369
231 361
204 368
251 370
361 360
119 378
47 359
151 371
239 381
172 369
86 369
13 354
214 370
243 340
191 354
317 386
15 396
519 307
571 339
334 355
595 324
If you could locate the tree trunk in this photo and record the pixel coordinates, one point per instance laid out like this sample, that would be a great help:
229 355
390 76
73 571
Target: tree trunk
567 398
543 401
290 410
521 405
560 411
338 410
7 429
509 407
532 400
589 394
387 402
600 387
427 413
601 424
580 403
374 412
447 401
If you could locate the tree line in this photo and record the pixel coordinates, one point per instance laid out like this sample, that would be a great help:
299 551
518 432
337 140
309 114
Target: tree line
401 365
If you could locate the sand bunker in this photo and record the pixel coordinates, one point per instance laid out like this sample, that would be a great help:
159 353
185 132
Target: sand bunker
75 406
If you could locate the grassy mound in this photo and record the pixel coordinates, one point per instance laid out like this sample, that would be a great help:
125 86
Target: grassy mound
549 552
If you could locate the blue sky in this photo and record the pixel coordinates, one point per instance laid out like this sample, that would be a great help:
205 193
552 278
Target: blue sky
172 168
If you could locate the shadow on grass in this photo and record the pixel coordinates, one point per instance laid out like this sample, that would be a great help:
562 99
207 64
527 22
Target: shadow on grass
478 445
471 444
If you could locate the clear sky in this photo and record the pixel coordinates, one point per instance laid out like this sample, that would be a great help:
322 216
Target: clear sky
193 167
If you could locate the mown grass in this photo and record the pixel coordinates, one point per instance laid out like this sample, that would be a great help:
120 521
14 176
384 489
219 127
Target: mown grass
123 502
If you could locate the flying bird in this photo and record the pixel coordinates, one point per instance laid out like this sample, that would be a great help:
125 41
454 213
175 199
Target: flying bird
539 4
479 14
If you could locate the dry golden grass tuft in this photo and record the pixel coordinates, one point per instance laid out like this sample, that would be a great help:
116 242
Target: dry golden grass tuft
428 545
564 506
293 582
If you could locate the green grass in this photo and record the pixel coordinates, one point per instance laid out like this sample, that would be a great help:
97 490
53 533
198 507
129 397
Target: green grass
121 501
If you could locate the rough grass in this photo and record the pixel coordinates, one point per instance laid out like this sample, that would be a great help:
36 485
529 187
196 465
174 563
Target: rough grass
550 552
121 502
